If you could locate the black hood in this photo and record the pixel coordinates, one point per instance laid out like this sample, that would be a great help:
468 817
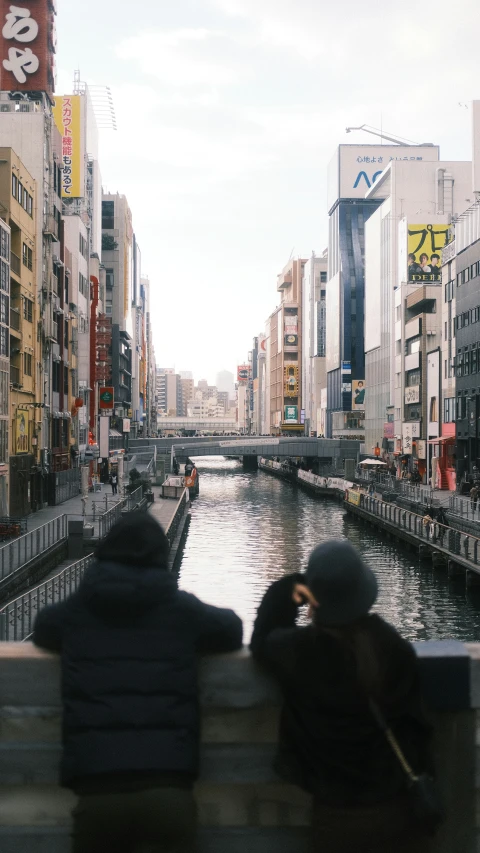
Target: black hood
136 540
117 588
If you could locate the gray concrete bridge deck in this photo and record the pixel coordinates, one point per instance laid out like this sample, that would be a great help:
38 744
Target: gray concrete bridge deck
322 448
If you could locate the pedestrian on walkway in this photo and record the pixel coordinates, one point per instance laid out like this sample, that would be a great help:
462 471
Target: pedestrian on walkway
473 497
114 483
129 642
336 674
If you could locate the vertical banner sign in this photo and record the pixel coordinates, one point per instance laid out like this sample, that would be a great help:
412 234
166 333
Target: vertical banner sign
67 112
104 436
27 46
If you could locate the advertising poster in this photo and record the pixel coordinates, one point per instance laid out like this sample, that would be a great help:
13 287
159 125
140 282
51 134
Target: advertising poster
291 340
358 394
106 397
22 444
425 245
243 372
291 414
67 113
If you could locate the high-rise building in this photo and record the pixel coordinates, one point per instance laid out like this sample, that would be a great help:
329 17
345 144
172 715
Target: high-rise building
225 381
314 376
353 170
404 298
5 257
17 206
285 350
169 393
188 391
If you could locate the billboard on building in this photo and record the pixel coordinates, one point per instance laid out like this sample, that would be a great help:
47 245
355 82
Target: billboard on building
424 248
106 398
290 414
358 394
22 439
291 340
243 372
412 395
28 45
410 431
354 169
67 112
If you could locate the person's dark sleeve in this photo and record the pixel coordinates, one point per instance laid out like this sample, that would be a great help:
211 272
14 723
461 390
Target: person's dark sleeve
48 628
277 610
220 629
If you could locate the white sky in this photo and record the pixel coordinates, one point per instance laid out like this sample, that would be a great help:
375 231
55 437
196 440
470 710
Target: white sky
228 113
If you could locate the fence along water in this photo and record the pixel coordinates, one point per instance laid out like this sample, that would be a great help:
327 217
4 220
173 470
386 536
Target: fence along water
23 550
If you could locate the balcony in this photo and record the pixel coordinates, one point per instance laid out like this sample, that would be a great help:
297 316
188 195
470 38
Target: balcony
14 320
412 361
15 375
15 264
50 226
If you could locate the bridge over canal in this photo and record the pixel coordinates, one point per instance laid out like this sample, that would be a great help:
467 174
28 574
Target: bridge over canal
328 449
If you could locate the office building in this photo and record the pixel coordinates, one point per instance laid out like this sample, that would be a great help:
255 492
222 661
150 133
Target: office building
314 376
404 299
284 331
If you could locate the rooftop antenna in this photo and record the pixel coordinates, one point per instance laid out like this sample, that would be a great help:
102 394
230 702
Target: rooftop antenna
102 102
397 140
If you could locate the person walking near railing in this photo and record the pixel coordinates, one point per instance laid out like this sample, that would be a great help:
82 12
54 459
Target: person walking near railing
351 688
129 643
114 483
474 498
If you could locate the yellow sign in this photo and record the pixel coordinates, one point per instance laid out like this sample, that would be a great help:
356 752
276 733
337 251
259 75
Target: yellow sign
67 112
22 438
425 244
354 498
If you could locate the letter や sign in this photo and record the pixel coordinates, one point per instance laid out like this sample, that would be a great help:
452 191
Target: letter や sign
27 46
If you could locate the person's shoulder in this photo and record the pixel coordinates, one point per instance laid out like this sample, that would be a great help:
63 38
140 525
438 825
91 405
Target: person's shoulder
388 635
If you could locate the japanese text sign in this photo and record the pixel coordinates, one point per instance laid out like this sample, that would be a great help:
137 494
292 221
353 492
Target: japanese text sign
28 45
67 112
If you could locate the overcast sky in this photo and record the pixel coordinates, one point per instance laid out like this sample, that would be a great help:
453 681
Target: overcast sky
228 113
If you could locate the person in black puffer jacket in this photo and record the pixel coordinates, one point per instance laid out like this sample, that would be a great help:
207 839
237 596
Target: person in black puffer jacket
129 642
330 743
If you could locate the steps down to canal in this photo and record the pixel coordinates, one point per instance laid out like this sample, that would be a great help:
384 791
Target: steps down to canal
243 806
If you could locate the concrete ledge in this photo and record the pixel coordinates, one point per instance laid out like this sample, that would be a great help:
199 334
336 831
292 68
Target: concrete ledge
243 806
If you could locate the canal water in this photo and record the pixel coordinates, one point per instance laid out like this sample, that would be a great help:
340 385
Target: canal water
249 529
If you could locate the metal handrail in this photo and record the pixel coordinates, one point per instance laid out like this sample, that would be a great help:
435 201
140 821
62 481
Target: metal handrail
21 551
18 616
171 530
455 542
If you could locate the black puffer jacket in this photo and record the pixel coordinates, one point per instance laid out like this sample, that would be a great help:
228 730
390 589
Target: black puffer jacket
129 642
329 741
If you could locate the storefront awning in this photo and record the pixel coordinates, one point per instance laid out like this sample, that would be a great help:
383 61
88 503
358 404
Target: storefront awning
113 433
441 439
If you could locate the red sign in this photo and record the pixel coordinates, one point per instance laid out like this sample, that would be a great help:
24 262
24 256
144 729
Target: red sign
28 45
243 373
106 398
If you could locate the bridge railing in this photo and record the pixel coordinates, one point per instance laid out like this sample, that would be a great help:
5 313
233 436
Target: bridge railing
17 617
453 541
21 551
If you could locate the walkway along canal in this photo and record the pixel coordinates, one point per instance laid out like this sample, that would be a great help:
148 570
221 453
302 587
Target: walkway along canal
247 529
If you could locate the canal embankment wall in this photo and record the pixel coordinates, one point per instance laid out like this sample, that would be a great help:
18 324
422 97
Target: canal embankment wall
242 804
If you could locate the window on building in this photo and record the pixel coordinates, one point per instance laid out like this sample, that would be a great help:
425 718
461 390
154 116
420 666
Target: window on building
83 246
108 215
109 279
65 380
4 277
56 433
4 309
65 334
30 205
14 185
28 310
449 410
474 270
323 278
19 192
82 284
461 408
27 256
4 340
27 364
56 379
4 383
4 441
4 244
413 346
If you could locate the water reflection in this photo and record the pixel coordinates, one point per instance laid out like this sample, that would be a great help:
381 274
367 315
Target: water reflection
249 529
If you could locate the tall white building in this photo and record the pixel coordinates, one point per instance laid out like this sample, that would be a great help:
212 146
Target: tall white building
404 238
